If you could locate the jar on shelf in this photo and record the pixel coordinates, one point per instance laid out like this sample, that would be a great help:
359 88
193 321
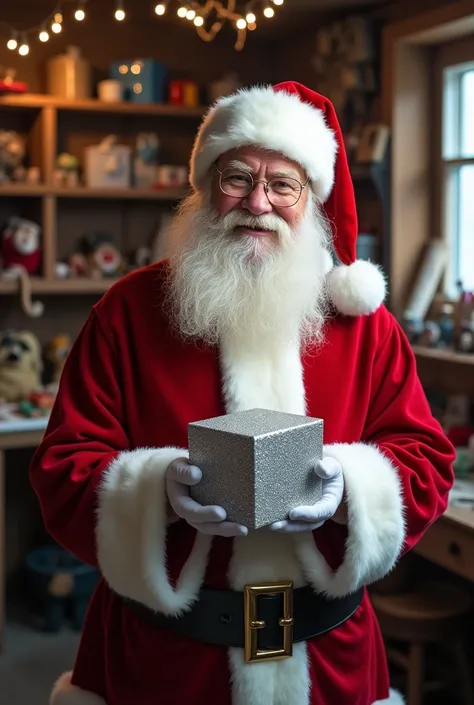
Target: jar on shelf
69 75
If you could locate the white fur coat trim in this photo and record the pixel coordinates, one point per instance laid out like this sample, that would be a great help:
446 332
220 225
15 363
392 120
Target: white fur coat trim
376 527
262 376
131 533
66 694
260 558
274 120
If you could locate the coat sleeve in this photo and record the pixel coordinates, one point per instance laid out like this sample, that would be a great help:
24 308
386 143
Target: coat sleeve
100 498
397 476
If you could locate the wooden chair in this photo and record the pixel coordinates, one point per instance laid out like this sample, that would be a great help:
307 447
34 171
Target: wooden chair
432 615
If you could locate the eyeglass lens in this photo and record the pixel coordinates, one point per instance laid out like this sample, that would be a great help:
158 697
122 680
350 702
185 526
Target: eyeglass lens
281 191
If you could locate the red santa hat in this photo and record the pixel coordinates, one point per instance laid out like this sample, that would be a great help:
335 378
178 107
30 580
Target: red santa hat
301 124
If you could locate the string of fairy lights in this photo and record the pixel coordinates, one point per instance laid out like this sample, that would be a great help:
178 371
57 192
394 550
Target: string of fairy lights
207 16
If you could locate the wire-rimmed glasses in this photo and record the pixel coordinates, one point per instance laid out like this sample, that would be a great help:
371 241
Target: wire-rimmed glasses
281 191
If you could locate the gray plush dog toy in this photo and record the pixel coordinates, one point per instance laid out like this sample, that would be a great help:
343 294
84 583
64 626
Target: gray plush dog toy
20 365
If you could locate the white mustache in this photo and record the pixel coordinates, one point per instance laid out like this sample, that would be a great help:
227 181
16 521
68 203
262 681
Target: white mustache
267 221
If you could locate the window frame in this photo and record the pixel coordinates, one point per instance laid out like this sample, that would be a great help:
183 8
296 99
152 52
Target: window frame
454 57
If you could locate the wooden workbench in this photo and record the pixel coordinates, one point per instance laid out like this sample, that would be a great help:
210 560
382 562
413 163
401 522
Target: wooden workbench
450 541
13 434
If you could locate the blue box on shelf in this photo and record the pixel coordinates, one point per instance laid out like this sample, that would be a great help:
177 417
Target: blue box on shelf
143 80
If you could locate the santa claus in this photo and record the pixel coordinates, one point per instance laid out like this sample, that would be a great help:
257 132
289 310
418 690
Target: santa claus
247 311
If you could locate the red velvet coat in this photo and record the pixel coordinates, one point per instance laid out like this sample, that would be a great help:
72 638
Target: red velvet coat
129 389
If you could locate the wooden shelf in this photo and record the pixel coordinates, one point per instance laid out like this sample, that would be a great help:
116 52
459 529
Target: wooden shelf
444 355
34 101
173 194
84 192
40 285
121 193
23 190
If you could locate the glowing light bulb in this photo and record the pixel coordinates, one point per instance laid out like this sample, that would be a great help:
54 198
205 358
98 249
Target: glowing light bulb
79 15
241 23
160 9
191 14
278 2
43 36
182 12
199 21
12 44
58 17
252 26
119 15
250 17
269 12
24 49
56 27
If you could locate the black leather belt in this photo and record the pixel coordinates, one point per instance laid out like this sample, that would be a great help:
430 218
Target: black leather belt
265 620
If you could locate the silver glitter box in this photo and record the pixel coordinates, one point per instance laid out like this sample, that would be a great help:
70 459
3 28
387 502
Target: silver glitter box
257 464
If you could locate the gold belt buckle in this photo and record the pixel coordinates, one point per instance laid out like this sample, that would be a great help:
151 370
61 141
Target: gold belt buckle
253 623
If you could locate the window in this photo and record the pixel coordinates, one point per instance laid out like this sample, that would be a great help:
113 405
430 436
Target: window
458 174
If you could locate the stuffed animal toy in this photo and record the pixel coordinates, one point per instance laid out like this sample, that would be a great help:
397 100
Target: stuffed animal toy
21 245
55 355
103 257
12 157
21 256
20 365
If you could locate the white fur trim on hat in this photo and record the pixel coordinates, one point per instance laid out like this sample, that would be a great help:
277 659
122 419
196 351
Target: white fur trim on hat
357 289
269 119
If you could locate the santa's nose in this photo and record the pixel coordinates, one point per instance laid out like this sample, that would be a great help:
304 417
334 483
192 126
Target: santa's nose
257 202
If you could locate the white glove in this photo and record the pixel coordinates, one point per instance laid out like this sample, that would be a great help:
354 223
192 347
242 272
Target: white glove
180 476
314 516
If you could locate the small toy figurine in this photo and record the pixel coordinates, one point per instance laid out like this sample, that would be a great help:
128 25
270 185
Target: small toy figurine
55 355
12 157
21 257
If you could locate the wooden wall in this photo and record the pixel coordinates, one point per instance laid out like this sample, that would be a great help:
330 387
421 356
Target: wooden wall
102 40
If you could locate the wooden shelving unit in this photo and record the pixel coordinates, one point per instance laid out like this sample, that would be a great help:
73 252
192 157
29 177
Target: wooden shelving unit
32 101
42 285
53 125
84 192
443 355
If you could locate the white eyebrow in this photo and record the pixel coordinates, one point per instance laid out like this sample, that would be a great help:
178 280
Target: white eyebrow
236 164
285 175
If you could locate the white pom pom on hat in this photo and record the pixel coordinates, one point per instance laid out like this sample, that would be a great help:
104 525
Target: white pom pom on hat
301 124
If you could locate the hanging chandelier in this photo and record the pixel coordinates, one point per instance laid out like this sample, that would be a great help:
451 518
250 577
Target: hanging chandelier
210 16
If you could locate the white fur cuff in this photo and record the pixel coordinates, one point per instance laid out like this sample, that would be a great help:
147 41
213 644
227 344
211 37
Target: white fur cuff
394 699
375 522
131 533
64 693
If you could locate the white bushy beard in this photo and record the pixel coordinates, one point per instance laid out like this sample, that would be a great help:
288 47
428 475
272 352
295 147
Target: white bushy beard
260 289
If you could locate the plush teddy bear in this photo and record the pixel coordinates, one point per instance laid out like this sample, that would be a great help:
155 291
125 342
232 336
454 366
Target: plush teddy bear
20 365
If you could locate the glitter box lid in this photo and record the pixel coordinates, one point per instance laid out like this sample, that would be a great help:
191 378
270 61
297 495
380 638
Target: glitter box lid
256 423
